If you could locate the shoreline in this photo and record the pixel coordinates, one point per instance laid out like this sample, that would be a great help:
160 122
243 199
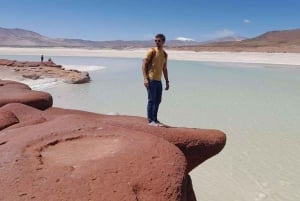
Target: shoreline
228 57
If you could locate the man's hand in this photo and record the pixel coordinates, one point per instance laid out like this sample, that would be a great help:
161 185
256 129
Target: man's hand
146 83
167 85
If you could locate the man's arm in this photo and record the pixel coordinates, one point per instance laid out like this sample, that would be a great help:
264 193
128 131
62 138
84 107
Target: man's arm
145 73
145 66
165 72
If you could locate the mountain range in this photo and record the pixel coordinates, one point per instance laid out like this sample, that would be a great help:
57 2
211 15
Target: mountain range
24 38
273 41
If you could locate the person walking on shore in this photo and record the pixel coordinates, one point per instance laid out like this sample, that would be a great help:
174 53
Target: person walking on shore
154 65
42 58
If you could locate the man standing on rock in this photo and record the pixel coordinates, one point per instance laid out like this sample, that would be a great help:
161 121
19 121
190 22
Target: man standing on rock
154 65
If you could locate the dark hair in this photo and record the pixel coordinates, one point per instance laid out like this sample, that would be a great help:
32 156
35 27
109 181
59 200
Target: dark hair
161 36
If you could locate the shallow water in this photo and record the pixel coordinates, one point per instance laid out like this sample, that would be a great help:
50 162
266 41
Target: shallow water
257 106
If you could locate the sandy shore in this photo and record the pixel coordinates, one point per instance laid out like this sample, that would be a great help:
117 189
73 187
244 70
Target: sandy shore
240 57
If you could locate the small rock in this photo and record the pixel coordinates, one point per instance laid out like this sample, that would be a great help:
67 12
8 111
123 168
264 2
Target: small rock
31 76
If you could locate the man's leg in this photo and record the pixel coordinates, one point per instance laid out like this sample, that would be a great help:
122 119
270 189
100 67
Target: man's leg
154 99
150 104
157 99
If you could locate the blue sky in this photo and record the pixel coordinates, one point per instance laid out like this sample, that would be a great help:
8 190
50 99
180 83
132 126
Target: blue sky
141 20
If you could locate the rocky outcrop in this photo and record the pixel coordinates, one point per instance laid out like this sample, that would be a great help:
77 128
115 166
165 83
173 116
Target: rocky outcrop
77 77
60 154
37 70
15 92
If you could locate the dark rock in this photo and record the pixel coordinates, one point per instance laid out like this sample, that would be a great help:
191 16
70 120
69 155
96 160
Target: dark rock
31 76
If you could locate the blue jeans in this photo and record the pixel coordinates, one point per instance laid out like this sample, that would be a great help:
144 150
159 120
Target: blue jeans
154 99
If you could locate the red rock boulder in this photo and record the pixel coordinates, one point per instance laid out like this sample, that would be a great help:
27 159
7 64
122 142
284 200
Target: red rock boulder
14 92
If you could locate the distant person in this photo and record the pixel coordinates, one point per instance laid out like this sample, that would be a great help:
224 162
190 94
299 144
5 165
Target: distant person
50 60
42 58
154 65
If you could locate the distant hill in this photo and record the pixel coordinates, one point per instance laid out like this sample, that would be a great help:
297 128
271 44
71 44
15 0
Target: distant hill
25 38
273 41
280 36
22 38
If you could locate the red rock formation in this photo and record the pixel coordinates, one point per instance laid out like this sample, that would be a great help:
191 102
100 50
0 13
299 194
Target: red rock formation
36 70
14 92
59 154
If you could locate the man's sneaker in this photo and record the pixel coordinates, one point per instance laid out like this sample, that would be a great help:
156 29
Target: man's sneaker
152 123
159 124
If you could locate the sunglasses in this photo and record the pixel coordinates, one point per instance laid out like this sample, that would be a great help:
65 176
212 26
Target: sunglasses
158 41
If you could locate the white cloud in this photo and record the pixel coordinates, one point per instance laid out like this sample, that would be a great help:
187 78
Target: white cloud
247 21
223 33
184 39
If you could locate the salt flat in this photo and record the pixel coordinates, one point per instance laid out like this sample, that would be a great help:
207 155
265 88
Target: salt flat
239 57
